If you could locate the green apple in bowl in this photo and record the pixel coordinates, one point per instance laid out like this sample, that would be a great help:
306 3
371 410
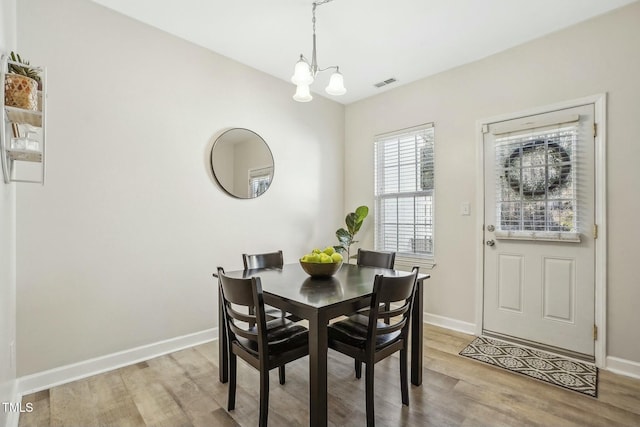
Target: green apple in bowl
325 259
329 250
321 263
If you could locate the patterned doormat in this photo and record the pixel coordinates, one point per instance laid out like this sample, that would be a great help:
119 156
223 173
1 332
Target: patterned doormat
556 370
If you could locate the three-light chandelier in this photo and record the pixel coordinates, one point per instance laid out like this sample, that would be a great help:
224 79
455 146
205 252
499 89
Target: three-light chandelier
305 73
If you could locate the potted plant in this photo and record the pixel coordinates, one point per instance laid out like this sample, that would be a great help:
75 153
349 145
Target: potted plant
346 236
21 84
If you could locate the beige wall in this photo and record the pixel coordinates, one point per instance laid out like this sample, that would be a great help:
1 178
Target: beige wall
7 247
117 250
601 55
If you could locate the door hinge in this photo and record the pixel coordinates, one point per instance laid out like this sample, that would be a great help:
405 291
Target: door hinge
595 332
595 231
595 130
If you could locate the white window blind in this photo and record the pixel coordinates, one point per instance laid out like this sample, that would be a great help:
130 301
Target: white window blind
404 192
536 193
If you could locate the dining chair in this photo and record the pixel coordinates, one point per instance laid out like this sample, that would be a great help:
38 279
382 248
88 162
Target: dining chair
268 260
263 344
380 259
369 341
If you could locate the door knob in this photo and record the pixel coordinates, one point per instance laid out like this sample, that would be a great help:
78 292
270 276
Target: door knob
490 243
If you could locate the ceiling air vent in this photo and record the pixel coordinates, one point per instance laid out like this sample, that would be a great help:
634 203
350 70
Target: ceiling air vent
385 82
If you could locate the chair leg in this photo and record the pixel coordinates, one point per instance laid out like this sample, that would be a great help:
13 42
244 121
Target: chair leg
371 420
264 398
231 399
281 374
404 383
358 365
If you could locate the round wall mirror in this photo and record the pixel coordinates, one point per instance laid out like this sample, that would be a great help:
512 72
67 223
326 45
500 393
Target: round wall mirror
242 163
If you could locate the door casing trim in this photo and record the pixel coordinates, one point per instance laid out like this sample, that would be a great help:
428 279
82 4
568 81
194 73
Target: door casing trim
600 304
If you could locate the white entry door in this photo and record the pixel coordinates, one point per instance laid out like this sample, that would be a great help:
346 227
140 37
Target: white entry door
539 252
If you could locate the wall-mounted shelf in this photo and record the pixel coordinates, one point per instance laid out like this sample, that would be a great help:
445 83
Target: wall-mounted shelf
22 130
25 155
26 117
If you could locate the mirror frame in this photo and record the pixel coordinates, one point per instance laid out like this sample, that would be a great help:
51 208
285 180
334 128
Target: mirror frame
218 141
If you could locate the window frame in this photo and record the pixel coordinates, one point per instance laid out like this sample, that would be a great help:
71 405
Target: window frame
405 258
257 175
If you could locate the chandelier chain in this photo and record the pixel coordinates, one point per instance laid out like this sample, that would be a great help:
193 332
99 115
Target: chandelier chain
313 10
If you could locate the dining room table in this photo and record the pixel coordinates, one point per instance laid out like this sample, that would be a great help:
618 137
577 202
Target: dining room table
318 300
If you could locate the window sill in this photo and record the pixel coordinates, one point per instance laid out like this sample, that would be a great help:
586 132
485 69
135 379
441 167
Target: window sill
403 262
549 236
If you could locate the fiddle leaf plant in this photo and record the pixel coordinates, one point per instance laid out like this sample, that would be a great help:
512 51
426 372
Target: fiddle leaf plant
346 237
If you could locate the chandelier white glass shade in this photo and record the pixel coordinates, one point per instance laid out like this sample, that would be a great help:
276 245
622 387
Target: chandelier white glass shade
302 93
304 73
336 84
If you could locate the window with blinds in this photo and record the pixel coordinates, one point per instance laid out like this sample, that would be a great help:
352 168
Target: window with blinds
404 192
259 180
536 192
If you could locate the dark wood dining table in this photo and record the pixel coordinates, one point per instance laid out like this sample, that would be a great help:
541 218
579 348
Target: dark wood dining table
318 301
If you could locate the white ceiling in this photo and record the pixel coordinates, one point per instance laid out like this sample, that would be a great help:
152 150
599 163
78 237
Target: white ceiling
371 40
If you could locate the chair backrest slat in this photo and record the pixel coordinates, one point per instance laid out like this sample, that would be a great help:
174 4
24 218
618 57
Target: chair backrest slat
396 326
395 311
398 292
239 316
265 260
244 333
237 291
376 258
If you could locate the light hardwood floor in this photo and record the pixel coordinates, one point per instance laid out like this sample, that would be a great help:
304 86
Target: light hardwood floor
182 389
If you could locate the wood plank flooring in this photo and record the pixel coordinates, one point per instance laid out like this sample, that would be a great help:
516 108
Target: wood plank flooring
182 389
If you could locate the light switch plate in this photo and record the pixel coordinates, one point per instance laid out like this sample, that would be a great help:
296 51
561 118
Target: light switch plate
465 208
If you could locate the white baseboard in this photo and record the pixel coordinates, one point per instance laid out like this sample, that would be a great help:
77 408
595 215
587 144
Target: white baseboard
449 323
623 367
65 374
